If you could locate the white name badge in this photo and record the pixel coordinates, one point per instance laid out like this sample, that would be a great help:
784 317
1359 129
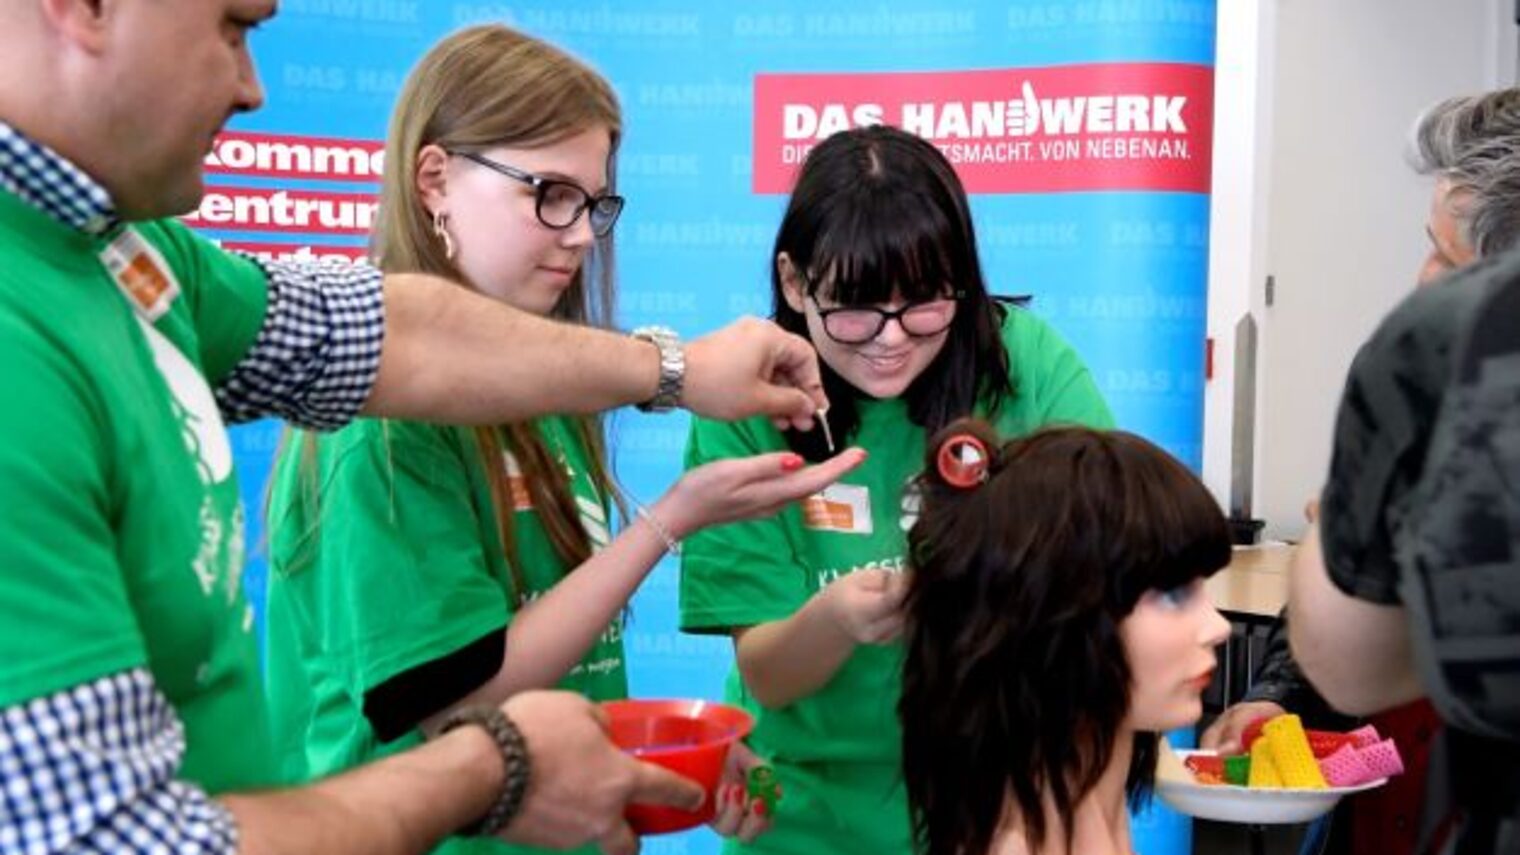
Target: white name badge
141 273
843 508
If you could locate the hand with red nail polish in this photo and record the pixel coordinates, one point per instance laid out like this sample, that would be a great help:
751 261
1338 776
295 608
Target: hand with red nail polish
745 488
739 816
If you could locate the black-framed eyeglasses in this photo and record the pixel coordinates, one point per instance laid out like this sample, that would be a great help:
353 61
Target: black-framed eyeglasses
860 324
558 204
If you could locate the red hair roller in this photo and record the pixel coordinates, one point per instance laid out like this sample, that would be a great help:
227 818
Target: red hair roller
963 460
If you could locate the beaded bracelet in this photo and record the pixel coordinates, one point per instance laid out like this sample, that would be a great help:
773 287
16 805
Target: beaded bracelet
514 757
672 545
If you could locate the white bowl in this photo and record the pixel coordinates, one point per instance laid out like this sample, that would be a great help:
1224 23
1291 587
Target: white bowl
1231 803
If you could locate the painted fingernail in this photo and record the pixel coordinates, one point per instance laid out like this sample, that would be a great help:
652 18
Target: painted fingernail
791 462
757 807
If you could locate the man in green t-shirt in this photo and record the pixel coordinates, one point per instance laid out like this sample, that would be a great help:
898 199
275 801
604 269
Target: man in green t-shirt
129 711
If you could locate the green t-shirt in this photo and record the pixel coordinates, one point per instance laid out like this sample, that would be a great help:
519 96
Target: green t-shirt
121 538
753 572
393 562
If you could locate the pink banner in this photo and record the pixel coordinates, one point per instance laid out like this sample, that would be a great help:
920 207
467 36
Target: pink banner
1109 126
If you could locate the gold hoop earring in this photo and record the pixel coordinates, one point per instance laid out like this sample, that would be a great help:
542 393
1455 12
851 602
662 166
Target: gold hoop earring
440 223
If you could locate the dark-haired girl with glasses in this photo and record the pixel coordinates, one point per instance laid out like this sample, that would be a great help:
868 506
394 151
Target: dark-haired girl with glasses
876 263
418 569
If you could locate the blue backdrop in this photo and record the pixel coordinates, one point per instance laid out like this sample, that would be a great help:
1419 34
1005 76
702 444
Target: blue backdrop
1122 274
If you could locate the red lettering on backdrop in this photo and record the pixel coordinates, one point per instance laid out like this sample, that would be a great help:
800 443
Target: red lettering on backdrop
1110 126
259 209
291 156
313 215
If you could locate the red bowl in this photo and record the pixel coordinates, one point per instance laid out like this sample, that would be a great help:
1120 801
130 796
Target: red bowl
690 738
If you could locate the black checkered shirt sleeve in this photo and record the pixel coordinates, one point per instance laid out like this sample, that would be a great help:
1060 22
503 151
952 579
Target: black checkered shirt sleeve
91 769
316 356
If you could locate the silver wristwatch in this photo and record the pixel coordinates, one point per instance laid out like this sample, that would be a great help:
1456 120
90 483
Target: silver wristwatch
672 368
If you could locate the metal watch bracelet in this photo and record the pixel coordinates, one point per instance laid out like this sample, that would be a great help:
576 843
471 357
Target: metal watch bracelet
667 395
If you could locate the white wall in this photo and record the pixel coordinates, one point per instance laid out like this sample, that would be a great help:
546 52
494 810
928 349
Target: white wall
1315 100
1238 208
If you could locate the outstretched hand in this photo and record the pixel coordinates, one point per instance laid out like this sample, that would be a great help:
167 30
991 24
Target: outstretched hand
747 488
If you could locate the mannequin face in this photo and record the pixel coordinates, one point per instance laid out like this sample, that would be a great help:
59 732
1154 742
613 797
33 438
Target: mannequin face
1169 640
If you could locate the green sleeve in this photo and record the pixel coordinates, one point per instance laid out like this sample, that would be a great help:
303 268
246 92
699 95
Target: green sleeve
67 618
739 574
396 573
1051 377
227 295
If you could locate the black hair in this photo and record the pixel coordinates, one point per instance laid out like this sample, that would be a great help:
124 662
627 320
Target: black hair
879 213
1015 680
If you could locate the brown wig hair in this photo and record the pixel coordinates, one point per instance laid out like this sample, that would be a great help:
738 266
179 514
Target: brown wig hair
482 87
878 212
1016 679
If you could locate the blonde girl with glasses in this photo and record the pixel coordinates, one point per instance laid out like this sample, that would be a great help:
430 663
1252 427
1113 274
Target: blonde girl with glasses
419 569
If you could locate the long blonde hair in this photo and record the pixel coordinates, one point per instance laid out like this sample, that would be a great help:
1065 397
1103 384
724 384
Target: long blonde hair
482 87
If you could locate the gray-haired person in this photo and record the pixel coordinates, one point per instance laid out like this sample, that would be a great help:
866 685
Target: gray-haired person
1409 585
1470 145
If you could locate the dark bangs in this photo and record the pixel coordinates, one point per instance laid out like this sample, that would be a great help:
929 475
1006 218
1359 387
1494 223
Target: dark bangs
878 213
883 243
1173 530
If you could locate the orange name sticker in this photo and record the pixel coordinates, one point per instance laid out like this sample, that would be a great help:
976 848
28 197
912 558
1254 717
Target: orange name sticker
517 485
522 500
141 273
818 512
842 508
145 283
